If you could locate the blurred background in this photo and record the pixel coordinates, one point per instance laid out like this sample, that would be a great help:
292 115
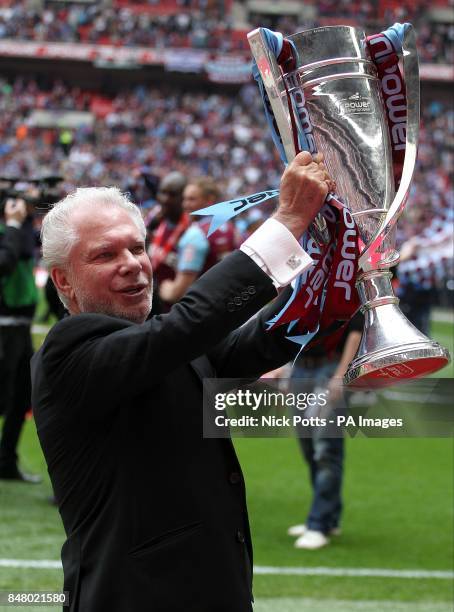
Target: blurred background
119 92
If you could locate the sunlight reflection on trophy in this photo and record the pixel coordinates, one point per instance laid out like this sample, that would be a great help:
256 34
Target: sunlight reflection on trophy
336 91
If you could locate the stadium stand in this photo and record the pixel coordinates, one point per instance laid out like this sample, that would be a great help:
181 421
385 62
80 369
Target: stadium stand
207 24
186 110
433 22
200 25
218 134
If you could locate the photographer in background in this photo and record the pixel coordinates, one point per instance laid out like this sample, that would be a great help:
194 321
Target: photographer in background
18 298
14 215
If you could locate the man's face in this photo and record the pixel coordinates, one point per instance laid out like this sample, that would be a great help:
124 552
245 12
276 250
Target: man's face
193 198
170 196
109 270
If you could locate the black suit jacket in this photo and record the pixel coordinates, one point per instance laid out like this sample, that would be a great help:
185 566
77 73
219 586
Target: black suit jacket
155 515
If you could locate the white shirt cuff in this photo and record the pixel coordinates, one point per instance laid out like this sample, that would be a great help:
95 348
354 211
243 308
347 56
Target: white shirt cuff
274 249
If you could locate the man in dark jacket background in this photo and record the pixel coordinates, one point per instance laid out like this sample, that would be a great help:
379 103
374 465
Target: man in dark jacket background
18 298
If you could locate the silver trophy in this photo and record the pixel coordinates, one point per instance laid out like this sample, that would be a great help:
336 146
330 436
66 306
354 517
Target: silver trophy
336 97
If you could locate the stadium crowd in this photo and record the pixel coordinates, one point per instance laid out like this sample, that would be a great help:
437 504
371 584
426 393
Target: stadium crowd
435 40
151 131
203 24
200 26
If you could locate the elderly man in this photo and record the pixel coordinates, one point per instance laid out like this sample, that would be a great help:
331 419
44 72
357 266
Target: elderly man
155 515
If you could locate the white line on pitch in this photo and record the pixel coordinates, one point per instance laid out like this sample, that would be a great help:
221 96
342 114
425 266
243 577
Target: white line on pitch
280 571
30 563
296 604
353 571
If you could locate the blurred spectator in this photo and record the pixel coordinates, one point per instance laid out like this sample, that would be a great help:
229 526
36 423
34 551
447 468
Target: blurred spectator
174 251
55 307
18 298
202 192
315 372
65 140
197 252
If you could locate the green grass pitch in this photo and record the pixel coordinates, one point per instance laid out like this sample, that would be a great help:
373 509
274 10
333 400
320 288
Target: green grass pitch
398 497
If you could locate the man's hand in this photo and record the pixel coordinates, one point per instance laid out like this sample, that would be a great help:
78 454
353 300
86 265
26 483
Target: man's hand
15 211
304 187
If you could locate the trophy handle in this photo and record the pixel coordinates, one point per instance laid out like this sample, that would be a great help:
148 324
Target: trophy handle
273 82
374 258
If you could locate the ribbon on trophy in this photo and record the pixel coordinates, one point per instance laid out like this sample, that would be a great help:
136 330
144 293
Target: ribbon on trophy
324 298
385 50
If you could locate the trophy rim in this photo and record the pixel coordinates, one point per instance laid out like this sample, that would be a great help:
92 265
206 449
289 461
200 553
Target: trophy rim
360 31
364 372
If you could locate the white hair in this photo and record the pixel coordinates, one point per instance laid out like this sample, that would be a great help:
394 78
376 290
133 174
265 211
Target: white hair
58 234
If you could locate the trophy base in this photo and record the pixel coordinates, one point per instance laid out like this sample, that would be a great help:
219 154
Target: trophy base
392 349
390 367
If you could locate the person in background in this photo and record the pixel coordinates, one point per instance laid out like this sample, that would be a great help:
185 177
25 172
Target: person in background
200 193
18 298
65 140
314 371
166 245
416 293
198 252
54 305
